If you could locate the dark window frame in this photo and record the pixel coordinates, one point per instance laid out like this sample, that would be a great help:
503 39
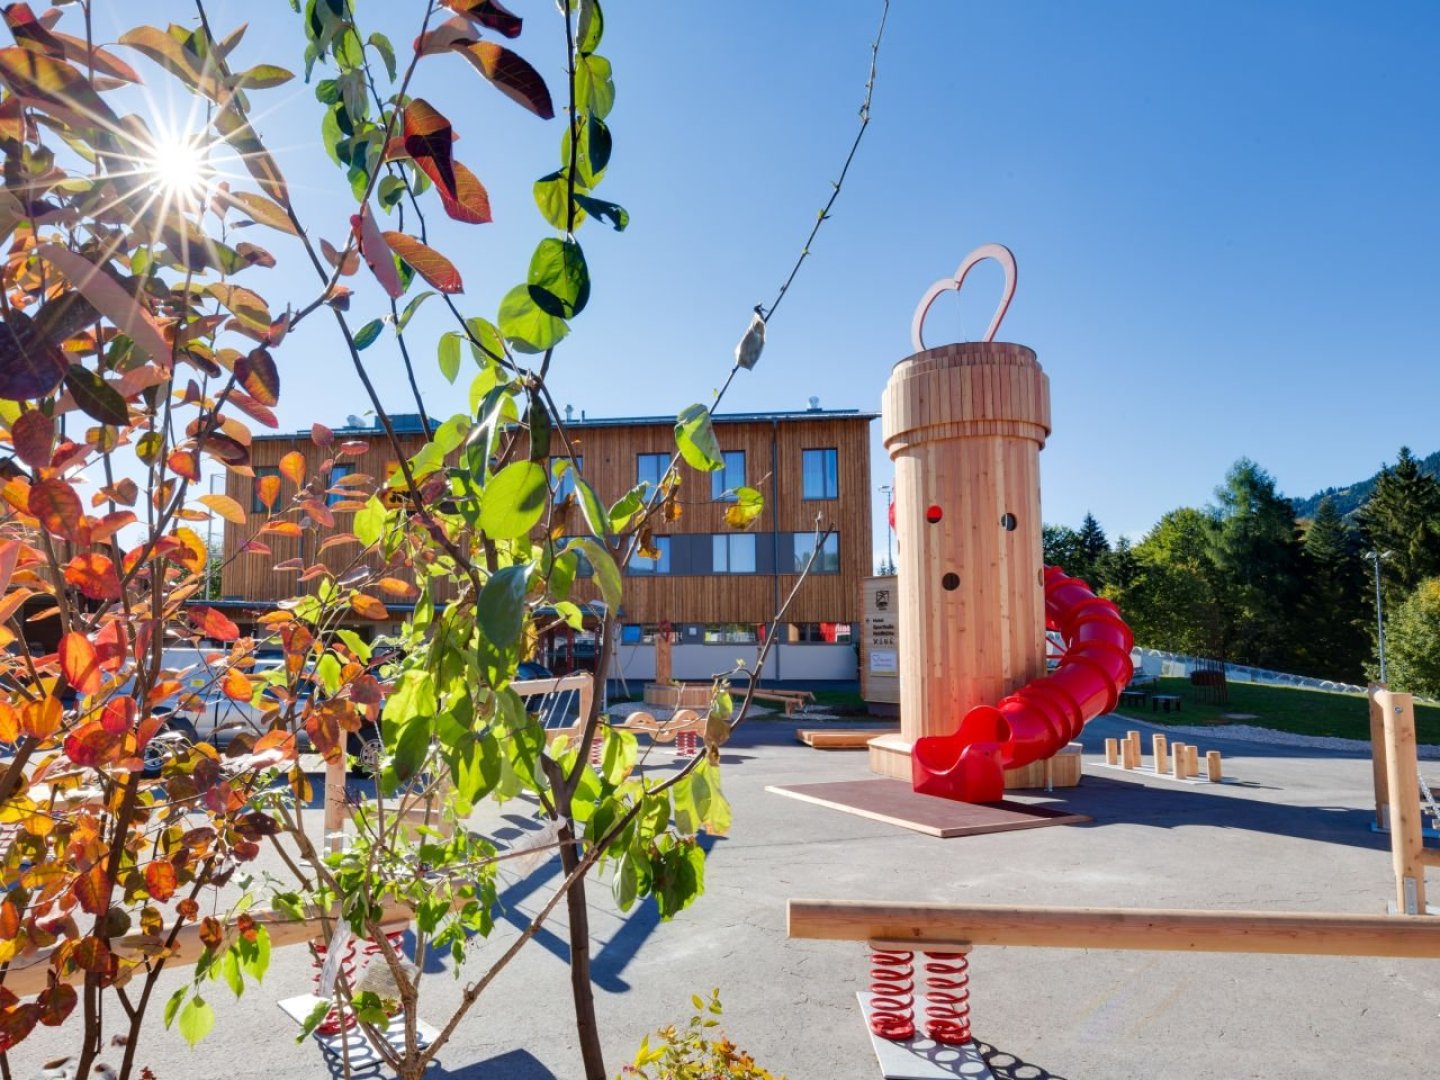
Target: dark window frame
829 474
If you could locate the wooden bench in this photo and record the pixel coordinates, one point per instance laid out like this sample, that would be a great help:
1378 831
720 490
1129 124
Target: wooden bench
1166 700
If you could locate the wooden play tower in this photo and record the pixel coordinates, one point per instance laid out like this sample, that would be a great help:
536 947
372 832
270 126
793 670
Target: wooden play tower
964 425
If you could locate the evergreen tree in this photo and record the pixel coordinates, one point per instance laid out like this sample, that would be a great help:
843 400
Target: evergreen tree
1119 569
1091 547
1402 519
1336 610
1256 553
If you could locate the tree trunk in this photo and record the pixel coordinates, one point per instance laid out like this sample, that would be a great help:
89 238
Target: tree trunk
586 1028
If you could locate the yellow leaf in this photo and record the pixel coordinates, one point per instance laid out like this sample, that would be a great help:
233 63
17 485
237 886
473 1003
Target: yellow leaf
292 465
226 507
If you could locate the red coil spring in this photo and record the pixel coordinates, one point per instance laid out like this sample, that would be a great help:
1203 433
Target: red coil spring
892 989
686 744
947 993
334 1023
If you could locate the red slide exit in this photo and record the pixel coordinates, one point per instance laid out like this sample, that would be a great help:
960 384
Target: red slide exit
1043 715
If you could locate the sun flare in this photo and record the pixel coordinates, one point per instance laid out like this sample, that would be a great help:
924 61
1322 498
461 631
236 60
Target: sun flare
180 166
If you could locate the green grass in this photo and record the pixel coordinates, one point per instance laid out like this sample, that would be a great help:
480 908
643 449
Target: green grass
1283 708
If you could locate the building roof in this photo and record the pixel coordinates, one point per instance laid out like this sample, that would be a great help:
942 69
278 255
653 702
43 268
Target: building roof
409 423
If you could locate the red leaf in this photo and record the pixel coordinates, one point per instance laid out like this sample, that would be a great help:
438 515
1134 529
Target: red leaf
118 715
511 74
437 270
376 252
90 745
57 1001
17 1023
489 14
428 136
9 922
92 889
110 298
79 662
321 435
211 932
259 376
111 644
185 463
213 624
30 32
57 506
33 434
160 880
94 575
253 409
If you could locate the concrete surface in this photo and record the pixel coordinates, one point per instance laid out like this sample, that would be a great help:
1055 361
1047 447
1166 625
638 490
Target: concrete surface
1292 835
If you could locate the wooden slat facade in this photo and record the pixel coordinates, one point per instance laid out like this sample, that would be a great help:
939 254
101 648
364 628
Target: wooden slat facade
773 447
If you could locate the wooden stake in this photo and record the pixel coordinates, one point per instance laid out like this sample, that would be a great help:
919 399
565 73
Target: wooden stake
1192 760
1177 761
1112 751
1158 747
1407 840
1212 763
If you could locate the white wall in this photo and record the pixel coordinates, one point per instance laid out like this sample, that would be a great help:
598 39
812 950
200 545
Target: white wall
809 662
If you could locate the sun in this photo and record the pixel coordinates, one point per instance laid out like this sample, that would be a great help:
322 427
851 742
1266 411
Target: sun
180 166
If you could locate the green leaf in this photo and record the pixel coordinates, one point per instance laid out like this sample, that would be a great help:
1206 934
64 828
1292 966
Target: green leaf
592 508
96 397
500 608
412 745
356 644
410 309
539 430
514 500
625 509
414 696
618 758
618 216
327 670
695 436
571 613
369 524
196 1020
559 278
687 817
748 506
173 1005
387 52
525 326
590 29
230 968
625 885
594 87
607 574
312 1021
449 351
367 334
552 195
390 191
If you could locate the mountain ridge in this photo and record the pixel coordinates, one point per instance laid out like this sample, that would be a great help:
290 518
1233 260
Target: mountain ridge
1350 498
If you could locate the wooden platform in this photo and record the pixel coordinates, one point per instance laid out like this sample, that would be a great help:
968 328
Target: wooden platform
840 738
894 802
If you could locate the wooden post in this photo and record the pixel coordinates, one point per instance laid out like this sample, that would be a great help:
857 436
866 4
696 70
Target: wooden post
1212 763
1192 760
1407 840
1158 747
1177 761
1112 751
662 655
335 804
1134 738
1377 758
1127 754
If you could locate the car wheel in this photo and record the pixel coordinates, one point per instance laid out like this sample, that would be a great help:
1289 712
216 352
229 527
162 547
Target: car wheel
176 733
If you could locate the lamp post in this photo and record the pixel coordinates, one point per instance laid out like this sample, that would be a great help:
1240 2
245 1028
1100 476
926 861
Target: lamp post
889 527
1375 555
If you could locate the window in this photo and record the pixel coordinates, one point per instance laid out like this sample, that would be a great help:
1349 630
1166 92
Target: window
642 565
650 468
256 506
733 553
730 634
825 633
564 470
827 560
723 482
338 471
820 474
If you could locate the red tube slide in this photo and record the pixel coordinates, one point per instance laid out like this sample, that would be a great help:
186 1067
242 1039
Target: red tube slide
1033 723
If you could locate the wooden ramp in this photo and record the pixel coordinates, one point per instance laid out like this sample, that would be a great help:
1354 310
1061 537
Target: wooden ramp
894 802
841 738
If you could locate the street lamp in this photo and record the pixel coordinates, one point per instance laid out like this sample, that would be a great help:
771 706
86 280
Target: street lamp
889 526
1375 555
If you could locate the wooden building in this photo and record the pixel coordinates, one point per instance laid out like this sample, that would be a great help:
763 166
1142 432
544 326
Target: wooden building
711 584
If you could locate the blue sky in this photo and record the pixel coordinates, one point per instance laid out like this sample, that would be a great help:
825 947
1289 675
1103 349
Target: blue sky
1225 218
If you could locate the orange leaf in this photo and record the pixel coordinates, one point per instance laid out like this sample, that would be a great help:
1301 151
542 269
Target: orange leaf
79 663
9 920
33 434
395 587
193 553
92 889
267 490
368 607
292 466
12 602
118 715
94 575
213 624
376 252
284 741
185 463
211 932
160 880
110 299
236 686
226 507
42 718
282 528
427 140
259 376
510 74
437 270
57 507
9 727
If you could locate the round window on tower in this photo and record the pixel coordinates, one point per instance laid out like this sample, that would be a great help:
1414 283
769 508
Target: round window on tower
1008 522
950 582
933 514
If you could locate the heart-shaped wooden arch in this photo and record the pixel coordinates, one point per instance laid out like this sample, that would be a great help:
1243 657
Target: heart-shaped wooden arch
1001 254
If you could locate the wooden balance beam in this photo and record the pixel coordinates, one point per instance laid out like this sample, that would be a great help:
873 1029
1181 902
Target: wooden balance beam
920 925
